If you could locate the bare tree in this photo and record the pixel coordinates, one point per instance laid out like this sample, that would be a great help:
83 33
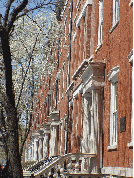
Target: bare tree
9 118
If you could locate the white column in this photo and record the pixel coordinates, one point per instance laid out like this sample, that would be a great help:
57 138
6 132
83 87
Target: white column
26 154
45 145
95 99
61 137
40 147
46 137
53 140
95 133
30 158
35 149
86 123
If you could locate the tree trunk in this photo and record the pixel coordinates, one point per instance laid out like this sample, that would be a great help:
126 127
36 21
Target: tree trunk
13 158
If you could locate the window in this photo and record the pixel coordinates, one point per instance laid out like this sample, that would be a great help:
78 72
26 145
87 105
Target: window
100 27
113 78
115 12
65 28
130 57
63 78
113 123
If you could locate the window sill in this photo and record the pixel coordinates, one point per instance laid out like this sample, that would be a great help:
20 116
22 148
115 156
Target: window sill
131 3
130 144
112 147
114 26
98 47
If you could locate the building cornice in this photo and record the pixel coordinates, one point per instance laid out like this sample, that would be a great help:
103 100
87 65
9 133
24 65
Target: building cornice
70 87
80 68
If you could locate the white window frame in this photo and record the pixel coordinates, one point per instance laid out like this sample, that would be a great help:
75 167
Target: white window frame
113 110
113 78
116 4
130 57
100 25
131 3
65 28
63 78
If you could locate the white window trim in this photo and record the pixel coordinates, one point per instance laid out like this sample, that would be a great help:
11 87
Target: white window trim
113 27
131 3
113 72
100 24
112 147
77 5
116 20
113 78
88 2
130 57
115 11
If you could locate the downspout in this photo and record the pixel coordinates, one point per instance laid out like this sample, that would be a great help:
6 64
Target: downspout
70 9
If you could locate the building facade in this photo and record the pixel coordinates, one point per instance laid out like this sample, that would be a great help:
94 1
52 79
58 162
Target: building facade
83 119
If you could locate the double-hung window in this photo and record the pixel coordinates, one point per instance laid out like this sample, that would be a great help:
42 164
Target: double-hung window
113 124
115 11
100 25
132 113
113 78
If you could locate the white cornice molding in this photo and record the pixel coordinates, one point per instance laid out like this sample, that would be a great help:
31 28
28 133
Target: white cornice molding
74 37
71 102
130 56
84 62
88 2
70 86
78 90
113 72
131 3
77 5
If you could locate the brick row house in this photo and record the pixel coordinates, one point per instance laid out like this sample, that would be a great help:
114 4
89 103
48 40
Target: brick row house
83 119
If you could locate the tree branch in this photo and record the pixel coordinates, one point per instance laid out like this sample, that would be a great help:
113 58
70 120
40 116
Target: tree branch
35 8
26 135
15 12
9 3
34 22
27 71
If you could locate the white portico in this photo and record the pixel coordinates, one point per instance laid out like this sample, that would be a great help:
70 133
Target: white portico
55 121
93 81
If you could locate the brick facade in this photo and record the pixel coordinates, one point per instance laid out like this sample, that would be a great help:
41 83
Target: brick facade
73 108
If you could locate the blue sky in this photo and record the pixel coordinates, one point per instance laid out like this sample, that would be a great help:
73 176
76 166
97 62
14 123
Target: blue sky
30 5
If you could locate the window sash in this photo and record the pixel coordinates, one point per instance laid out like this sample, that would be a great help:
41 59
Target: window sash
100 25
115 11
132 114
113 123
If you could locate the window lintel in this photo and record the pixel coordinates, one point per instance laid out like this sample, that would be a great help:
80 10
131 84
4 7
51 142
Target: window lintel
113 74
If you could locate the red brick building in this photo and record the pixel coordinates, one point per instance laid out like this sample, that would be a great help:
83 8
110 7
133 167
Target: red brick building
83 110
